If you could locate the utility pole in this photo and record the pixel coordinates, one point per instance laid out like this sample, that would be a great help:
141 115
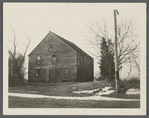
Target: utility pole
116 54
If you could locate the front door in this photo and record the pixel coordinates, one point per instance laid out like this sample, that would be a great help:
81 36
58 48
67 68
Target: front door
58 74
65 74
52 76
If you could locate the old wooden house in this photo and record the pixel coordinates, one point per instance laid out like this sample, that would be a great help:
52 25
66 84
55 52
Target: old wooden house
56 59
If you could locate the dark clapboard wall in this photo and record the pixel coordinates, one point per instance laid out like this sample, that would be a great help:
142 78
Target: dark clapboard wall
72 64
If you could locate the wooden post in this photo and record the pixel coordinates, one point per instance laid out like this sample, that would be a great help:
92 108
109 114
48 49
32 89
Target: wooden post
116 54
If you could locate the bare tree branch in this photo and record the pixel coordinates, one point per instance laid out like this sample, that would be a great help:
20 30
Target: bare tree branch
127 49
130 69
130 51
17 61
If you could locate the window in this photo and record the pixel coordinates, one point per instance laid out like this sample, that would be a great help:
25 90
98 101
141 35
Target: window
65 72
38 59
37 72
50 48
53 58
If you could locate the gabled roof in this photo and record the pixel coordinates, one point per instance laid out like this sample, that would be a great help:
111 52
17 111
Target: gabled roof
72 45
38 44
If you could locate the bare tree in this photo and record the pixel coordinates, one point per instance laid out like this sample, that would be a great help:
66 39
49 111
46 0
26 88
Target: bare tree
130 69
13 53
16 60
24 55
128 47
137 65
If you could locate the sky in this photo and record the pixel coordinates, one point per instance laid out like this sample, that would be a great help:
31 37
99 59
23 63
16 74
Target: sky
68 20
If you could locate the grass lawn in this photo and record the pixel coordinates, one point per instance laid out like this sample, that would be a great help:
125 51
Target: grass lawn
18 102
122 95
62 89
66 89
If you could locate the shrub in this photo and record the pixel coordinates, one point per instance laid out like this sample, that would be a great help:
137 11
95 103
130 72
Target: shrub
101 78
132 82
16 80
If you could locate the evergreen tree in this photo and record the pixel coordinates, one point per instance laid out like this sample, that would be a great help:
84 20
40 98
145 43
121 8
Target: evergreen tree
107 69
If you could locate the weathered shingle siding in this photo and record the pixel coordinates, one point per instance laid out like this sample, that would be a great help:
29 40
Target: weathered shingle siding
68 55
85 68
66 58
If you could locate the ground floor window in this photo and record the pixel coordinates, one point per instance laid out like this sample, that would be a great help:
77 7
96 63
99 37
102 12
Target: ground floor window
37 72
53 58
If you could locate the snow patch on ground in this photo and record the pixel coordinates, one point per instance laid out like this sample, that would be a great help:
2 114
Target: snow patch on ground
103 91
106 88
132 91
86 91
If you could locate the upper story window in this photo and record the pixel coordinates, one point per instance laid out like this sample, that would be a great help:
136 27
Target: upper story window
38 59
50 48
53 58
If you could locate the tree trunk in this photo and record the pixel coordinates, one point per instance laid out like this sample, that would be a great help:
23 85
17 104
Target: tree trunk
117 82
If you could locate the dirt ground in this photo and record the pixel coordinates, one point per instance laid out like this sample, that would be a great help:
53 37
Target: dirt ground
18 102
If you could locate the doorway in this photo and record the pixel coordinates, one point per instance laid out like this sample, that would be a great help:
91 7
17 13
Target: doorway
52 76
